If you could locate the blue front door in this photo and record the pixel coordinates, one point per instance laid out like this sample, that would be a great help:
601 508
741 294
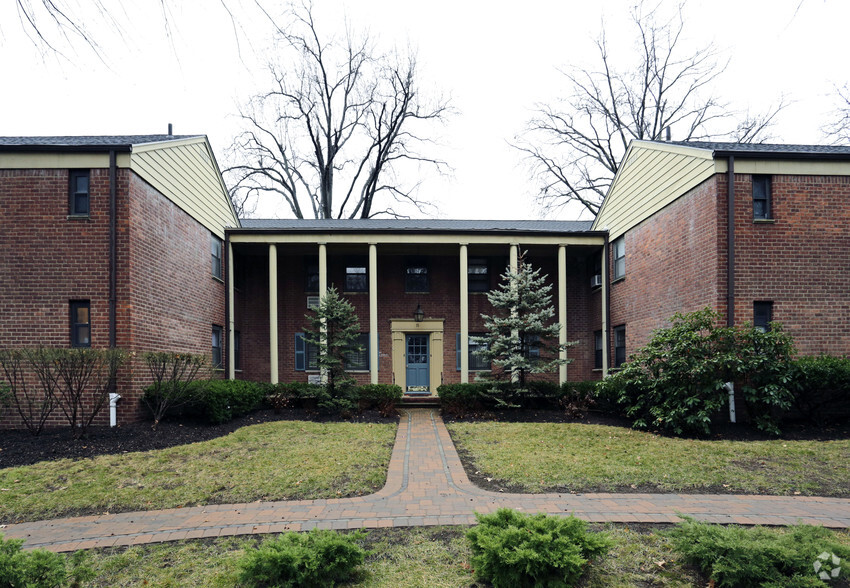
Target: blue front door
417 364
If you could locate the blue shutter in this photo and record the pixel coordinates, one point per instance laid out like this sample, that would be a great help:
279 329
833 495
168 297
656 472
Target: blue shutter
457 350
299 352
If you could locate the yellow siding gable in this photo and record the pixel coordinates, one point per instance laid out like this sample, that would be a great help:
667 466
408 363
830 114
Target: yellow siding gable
651 176
185 172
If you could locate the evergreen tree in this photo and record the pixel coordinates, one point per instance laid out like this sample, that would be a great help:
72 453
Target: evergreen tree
521 338
334 330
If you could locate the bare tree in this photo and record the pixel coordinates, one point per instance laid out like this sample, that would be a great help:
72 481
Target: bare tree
574 147
339 122
839 129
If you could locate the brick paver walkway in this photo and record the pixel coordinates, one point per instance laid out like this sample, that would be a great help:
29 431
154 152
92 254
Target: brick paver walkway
426 485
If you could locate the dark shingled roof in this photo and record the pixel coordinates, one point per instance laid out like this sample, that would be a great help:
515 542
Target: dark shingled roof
384 225
98 143
768 148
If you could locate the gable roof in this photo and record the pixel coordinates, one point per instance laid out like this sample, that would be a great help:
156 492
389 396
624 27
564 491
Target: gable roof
421 225
723 149
90 142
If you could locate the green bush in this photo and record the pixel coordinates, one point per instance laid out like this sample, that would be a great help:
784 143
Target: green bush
821 387
172 375
220 401
511 549
380 396
39 568
293 395
743 557
314 559
460 399
576 398
675 383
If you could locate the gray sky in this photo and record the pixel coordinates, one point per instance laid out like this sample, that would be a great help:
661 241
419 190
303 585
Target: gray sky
495 59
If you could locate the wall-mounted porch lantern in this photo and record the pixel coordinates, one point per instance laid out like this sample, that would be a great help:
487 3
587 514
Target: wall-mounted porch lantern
418 314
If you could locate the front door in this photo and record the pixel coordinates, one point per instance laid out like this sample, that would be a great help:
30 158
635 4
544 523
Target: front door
417 364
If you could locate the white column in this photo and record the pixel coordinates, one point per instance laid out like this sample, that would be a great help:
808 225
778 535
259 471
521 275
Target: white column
605 338
273 314
323 290
373 313
231 325
464 315
562 309
514 261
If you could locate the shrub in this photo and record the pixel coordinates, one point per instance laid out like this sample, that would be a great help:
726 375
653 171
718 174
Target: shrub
314 559
172 375
742 557
220 401
821 387
512 549
380 396
675 383
34 406
576 398
39 568
293 394
459 399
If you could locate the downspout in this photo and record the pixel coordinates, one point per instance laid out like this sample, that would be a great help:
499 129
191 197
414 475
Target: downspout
113 238
730 243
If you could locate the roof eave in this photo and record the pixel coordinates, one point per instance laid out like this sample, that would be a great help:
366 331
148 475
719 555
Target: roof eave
381 231
123 148
784 155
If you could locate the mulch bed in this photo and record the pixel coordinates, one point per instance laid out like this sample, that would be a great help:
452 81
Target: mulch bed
19 447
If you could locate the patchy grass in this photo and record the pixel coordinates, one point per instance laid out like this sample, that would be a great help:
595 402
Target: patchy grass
273 461
539 457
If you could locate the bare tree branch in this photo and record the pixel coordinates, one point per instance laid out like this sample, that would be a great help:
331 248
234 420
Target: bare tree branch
340 120
574 147
839 129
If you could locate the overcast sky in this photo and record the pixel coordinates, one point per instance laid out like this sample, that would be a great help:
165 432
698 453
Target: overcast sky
496 60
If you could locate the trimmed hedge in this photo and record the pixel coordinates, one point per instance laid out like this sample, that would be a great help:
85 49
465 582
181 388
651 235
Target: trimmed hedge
223 400
461 399
380 396
821 387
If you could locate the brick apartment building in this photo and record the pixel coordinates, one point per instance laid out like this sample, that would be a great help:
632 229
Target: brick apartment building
132 242
107 241
778 250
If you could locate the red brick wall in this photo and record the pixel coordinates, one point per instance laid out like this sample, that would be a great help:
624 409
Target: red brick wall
166 297
394 303
674 263
801 261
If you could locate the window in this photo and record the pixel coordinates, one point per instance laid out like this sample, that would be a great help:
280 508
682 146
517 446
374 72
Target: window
761 197
78 197
618 252
359 360
215 245
478 275
476 362
216 347
416 276
311 269
80 323
597 350
307 354
532 345
237 347
356 279
762 315
619 345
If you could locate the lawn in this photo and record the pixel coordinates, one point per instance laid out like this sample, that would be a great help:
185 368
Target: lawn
540 457
272 461
431 557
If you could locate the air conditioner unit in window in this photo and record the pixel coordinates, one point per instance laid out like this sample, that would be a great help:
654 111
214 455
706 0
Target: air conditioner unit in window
596 281
312 302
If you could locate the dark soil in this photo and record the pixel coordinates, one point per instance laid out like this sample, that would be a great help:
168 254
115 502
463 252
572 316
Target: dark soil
19 447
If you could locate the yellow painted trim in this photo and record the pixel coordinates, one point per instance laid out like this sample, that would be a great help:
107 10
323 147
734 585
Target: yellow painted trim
434 327
273 334
514 263
562 309
373 314
403 237
61 160
323 291
785 168
464 315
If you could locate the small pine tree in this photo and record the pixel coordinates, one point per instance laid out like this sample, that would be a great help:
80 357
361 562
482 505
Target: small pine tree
334 330
521 338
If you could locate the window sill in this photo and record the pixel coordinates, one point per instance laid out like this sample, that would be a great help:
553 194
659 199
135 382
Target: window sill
616 280
597 288
408 292
78 217
217 279
764 221
352 292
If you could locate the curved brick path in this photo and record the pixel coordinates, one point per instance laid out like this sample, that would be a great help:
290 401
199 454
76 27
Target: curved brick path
426 485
